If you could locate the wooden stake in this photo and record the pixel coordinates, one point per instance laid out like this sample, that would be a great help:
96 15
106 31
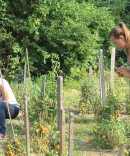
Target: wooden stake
102 81
62 131
70 140
28 63
26 116
122 150
43 88
59 98
112 69
90 71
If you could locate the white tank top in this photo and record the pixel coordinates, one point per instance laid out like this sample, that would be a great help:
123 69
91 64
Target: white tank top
11 94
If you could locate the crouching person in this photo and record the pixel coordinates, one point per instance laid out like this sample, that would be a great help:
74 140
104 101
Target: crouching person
8 106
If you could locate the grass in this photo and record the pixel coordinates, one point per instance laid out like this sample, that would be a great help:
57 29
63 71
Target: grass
1 150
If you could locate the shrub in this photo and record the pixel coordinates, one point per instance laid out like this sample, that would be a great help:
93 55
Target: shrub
12 148
110 134
90 95
45 138
110 110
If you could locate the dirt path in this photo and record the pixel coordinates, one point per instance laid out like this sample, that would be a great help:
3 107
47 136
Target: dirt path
83 129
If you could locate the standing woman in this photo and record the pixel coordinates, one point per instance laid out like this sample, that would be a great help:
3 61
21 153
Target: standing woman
120 36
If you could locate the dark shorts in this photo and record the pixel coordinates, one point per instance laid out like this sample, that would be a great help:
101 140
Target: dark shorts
13 109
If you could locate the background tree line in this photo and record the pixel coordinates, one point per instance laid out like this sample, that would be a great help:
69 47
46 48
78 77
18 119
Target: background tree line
67 32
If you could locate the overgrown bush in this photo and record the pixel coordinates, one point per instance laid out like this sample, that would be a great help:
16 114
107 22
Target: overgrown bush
14 148
39 109
45 139
110 133
127 97
90 94
110 110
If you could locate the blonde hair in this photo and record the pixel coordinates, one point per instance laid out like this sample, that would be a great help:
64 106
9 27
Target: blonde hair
120 29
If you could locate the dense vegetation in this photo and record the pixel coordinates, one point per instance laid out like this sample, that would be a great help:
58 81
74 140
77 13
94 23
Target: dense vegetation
63 31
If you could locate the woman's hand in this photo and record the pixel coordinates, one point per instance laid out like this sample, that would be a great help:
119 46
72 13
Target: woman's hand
119 73
123 71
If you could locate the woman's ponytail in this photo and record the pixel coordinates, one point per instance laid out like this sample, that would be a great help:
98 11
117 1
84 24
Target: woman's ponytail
120 29
126 31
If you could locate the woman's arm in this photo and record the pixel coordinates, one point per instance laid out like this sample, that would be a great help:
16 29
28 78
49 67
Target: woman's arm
5 93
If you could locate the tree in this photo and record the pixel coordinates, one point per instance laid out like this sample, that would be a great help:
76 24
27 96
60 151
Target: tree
73 31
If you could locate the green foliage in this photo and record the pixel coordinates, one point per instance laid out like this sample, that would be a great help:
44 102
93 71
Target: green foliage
12 147
121 93
71 30
110 110
90 95
47 109
44 139
128 108
77 72
127 97
79 31
116 6
38 109
110 134
125 13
